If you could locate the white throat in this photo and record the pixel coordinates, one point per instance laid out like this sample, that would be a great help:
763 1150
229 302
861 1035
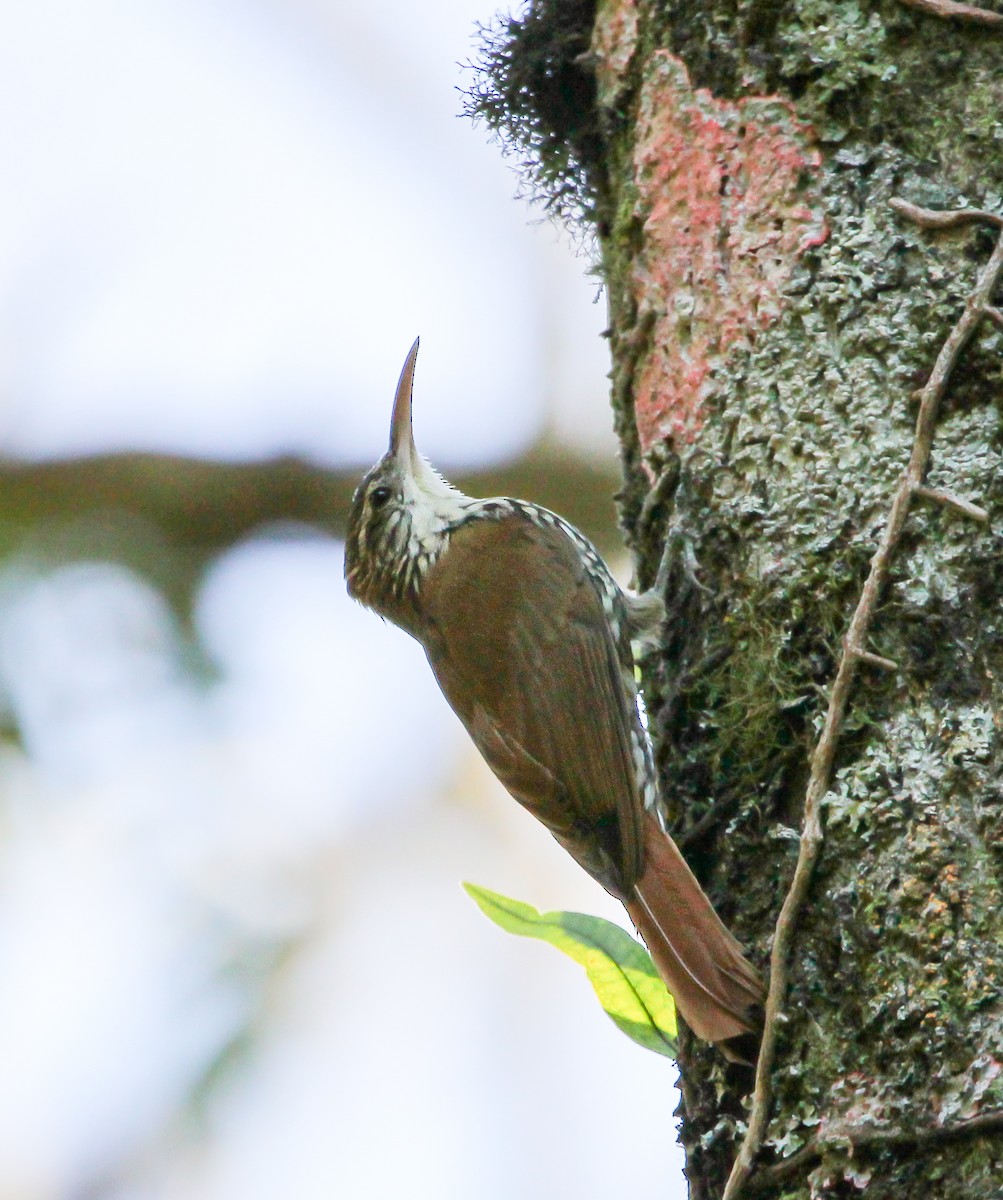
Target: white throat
433 505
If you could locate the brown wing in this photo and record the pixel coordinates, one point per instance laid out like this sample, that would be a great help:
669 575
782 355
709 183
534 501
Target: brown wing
520 646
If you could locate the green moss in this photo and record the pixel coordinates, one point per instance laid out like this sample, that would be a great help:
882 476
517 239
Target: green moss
829 55
534 88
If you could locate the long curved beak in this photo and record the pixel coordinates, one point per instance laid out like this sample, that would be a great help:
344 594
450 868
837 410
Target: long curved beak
402 446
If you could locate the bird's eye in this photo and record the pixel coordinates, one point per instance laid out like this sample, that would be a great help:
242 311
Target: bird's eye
379 496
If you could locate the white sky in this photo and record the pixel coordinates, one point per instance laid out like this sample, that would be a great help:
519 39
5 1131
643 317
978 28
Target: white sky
232 219
221 227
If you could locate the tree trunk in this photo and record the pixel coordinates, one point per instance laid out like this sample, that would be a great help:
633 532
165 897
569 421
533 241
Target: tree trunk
786 343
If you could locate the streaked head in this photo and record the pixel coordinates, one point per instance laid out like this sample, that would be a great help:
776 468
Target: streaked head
400 514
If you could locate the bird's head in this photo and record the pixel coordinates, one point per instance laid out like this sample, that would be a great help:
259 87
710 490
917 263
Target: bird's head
400 516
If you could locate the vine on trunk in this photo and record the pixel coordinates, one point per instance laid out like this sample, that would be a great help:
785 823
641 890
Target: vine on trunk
978 306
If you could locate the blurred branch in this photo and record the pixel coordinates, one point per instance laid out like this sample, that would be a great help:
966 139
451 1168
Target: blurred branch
203 506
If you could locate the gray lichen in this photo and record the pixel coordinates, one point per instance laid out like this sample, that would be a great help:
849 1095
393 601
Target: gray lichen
898 980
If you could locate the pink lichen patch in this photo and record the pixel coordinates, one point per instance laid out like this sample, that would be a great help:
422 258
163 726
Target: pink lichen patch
726 194
614 40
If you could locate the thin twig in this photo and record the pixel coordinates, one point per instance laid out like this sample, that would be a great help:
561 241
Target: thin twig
872 660
994 314
660 494
941 218
871 1138
713 817
824 754
961 12
943 496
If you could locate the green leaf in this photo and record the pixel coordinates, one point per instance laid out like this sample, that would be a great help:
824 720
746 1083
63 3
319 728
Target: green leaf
618 967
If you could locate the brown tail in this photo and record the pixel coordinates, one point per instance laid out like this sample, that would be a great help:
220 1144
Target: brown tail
715 989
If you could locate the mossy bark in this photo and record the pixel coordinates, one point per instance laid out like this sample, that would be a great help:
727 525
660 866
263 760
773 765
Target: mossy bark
767 343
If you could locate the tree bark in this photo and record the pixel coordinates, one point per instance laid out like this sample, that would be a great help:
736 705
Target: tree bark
806 386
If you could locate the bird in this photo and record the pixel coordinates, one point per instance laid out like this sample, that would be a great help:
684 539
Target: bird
529 637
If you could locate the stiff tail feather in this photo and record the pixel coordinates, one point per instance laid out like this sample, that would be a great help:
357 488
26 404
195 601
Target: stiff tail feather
716 989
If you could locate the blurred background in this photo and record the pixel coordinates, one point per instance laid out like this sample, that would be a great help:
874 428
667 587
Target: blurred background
235 959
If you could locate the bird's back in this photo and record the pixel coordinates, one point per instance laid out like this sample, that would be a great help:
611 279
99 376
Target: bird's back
515 629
